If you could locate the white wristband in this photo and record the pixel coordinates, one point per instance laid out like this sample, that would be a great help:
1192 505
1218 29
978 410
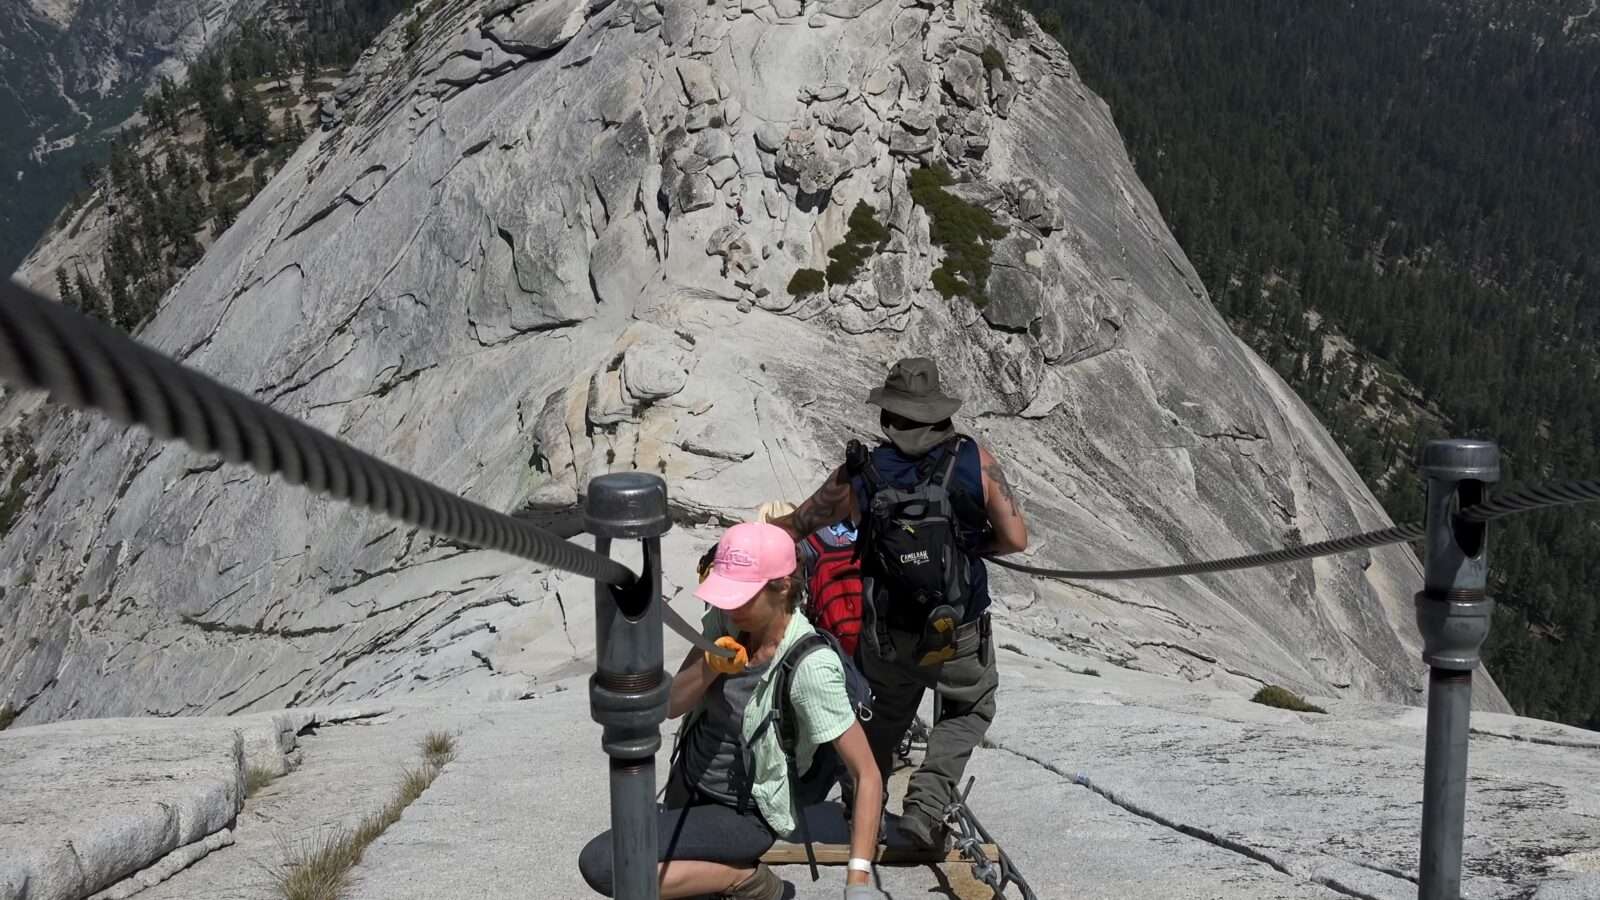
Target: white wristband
857 864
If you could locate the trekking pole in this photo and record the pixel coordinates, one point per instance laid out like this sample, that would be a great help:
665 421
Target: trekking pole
629 690
1453 612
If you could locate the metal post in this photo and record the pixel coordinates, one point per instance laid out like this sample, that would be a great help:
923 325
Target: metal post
1453 615
629 689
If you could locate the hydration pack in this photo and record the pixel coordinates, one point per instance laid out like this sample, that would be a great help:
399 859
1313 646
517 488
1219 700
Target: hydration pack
908 545
834 592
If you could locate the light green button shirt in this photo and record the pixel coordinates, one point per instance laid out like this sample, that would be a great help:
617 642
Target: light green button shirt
821 706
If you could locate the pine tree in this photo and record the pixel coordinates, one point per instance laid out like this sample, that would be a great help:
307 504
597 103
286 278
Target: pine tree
122 166
294 131
170 93
142 300
282 63
122 257
121 305
211 155
90 299
186 212
64 288
259 173
222 217
254 123
224 122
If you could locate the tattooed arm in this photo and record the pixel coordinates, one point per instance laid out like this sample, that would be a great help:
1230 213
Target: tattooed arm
832 503
1005 513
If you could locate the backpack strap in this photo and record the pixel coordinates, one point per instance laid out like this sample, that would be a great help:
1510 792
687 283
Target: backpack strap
685 732
952 458
807 557
780 717
787 738
815 542
859 464
870 474
802 826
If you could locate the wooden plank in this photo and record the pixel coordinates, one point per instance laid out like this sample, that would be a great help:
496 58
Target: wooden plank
787 854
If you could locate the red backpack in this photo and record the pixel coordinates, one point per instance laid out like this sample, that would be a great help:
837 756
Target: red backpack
835 592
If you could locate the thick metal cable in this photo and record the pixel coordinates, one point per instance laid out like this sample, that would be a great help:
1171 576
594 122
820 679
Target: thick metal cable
1523 500
1539 496
1399 534
88 365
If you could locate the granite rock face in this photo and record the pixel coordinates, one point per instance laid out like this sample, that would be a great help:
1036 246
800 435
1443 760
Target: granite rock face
1099 782
554 239
109 806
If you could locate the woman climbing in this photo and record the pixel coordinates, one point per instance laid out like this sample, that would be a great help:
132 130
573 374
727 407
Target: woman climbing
728 794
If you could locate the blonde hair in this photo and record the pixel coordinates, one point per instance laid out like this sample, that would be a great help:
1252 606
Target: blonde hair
790 584
773 509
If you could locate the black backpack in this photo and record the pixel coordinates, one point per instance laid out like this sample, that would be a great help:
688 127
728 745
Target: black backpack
909 542
812 787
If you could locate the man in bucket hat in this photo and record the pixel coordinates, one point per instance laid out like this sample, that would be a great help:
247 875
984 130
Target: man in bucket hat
931 504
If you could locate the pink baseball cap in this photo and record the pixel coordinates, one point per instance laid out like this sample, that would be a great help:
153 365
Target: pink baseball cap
748 556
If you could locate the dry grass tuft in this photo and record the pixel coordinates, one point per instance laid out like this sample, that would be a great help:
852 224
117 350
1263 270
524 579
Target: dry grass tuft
318 868
256 778
438 747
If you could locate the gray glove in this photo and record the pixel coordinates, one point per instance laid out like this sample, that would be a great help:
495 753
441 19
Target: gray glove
863 892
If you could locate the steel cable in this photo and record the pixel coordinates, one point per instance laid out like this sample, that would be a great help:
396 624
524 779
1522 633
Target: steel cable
83 363
1399 534
1528 499
1544 496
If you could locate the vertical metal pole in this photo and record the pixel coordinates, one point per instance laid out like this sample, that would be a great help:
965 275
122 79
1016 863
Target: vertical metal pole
629 689
1453 615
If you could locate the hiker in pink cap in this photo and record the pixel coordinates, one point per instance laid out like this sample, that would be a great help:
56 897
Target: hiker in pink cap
767 735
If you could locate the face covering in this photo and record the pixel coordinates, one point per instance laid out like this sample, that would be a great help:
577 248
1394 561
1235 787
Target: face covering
920 440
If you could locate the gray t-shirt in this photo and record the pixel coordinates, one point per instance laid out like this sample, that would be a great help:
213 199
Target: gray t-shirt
713 758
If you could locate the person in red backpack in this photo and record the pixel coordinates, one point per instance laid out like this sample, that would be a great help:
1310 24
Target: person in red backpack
931 503
833 578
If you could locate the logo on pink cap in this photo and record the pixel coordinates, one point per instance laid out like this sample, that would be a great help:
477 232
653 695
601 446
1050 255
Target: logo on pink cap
733 557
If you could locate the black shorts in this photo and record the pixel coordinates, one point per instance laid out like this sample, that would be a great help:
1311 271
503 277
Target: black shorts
688 826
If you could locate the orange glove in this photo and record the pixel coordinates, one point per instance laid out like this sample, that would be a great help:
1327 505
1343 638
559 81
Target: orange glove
728 666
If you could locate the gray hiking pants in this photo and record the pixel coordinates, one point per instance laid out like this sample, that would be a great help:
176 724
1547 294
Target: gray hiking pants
967 686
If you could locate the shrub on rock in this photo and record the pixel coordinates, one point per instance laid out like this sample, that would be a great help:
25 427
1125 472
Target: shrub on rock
963 230
864 239
1283 698
807 282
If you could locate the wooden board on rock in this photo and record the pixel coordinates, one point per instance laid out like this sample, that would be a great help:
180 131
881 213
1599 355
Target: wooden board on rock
830 842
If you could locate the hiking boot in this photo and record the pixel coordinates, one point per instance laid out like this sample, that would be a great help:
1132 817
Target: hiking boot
763 884
923 832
